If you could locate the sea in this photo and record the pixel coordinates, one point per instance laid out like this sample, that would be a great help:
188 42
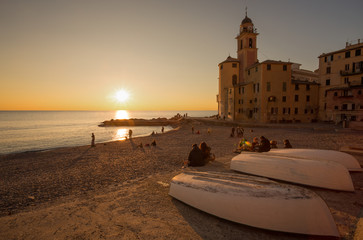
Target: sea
24 131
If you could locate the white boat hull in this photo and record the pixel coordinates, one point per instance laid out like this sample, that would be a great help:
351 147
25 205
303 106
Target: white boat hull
255 201
349 161
323 174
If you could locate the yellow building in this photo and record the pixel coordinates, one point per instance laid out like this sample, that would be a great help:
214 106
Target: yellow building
341 79
270 91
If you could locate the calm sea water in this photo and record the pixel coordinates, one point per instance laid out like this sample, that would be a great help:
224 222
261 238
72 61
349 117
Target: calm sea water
22 131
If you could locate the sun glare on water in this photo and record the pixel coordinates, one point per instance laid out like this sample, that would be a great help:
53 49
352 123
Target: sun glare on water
122 114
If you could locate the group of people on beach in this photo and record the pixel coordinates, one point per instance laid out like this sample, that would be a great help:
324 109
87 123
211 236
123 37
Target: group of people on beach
264 145
200 156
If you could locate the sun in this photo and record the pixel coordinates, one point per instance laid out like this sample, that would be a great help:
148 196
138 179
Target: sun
122 96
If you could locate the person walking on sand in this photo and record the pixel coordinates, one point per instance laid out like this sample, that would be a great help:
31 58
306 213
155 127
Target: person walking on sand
162 129
130 133
93 140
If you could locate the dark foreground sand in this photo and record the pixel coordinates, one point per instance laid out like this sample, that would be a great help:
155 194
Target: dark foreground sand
119 191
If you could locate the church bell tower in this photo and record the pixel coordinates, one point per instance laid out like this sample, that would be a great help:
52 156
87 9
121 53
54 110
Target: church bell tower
246 46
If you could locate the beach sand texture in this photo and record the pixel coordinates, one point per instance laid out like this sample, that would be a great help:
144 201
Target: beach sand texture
119 191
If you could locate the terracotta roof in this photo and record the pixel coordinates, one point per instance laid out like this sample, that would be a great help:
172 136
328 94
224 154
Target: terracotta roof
230 59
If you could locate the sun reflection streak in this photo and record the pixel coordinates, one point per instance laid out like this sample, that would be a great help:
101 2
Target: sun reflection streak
122 114
121 134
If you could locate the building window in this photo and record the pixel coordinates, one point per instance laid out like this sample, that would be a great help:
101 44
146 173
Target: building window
324 106
296 110
296 86
305 111
358 52
288 110
335 94
243 89
284 67
328 70
271 99
284 86
272 110
347 54
308 98
284 98
312 111
249 72
256 69
268 87
255 100
296 98
307 87
234 79
283 110
346 80
234 65
346 67
241 44
221 66
268 67
239 90
327 82
250 43
344 106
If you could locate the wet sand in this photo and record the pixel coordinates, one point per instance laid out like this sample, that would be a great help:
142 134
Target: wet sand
117 190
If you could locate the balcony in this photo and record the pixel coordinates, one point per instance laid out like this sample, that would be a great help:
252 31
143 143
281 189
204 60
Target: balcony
350 73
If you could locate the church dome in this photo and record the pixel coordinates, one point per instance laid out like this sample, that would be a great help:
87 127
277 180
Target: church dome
246 20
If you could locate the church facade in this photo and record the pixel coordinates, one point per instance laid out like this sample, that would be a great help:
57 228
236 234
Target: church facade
267 92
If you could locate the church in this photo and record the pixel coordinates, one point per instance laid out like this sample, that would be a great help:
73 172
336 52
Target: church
266 92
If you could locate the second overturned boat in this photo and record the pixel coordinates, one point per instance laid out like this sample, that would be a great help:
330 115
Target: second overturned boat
323 174
349 161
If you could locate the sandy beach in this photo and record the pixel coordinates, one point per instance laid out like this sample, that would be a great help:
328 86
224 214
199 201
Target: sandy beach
117 190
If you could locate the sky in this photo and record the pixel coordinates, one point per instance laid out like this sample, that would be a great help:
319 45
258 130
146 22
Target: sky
77 54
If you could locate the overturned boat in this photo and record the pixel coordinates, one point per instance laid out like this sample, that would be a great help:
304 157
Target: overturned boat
349 161
323 174
255 201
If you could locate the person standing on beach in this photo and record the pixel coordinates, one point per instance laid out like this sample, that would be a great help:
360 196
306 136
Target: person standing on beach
130 133
93 140
162 129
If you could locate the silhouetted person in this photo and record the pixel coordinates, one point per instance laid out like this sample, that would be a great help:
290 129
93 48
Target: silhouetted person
162 129
264 145
273 144
93 140
287 143
195 157
206 151
130 133
153 143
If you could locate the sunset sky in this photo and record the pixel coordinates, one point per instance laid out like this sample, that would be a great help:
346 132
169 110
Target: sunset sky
76 54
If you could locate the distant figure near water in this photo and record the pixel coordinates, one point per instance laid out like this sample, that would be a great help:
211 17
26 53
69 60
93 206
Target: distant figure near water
93 140
130 133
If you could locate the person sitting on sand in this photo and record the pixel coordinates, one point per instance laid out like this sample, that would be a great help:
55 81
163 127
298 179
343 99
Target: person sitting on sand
140 145
264 145
195 157
273 144
287 143
153 143
206 151
254 144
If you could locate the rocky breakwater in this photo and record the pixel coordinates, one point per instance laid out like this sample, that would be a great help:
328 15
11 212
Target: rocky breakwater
140 122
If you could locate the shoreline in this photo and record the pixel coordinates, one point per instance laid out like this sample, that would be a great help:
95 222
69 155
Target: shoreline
118 190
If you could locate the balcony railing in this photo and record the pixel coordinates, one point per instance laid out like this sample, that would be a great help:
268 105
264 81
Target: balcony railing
348 73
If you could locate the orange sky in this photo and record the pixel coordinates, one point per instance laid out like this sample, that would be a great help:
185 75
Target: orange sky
74 55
